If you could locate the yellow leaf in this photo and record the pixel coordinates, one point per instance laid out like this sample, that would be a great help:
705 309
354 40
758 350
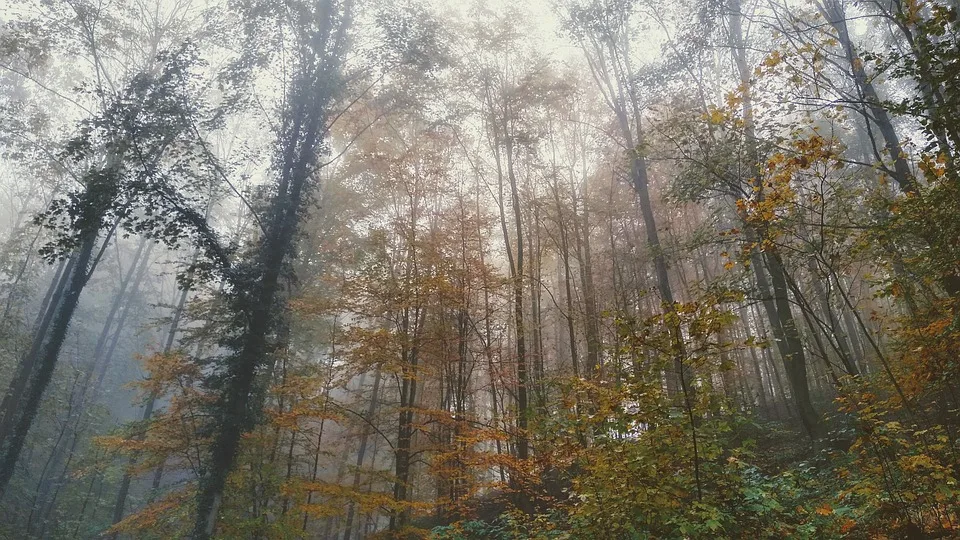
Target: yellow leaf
773 59
716 116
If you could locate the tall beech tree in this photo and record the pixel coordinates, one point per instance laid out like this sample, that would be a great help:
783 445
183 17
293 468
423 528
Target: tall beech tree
603 30
320 36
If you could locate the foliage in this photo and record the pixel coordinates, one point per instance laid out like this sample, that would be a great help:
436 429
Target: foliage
446 280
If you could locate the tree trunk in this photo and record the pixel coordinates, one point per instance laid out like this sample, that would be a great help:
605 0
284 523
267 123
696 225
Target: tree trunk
581 227
791 347
535 314
488 348
301 138
874 111
517 279
838 332
47 358
53 297
755 362
410 329
148 408
515 264
361 451
776 302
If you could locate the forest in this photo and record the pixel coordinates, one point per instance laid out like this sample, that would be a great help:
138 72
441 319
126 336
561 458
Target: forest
565 269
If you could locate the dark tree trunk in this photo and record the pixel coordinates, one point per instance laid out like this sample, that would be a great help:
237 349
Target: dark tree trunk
46 360
411 328
301 138
53 297
790 345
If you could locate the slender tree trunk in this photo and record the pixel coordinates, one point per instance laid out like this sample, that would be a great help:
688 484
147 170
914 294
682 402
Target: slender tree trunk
48 352
515 263
535 315
755 362
835 329
568 296
148 408
411 329
122 321
581 227
517 279
873 111
767 354
776 302
488 344
53 297
854 334
791 350
371 412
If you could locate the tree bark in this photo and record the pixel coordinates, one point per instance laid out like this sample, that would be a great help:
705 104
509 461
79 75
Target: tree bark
371 412
301 137
774 292
47 358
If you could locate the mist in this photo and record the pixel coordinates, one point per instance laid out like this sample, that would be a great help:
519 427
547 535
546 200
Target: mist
348 269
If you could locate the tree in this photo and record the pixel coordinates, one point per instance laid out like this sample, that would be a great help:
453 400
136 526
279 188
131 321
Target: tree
130 138
321 40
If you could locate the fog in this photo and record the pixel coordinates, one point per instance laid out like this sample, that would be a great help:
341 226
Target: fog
568 269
